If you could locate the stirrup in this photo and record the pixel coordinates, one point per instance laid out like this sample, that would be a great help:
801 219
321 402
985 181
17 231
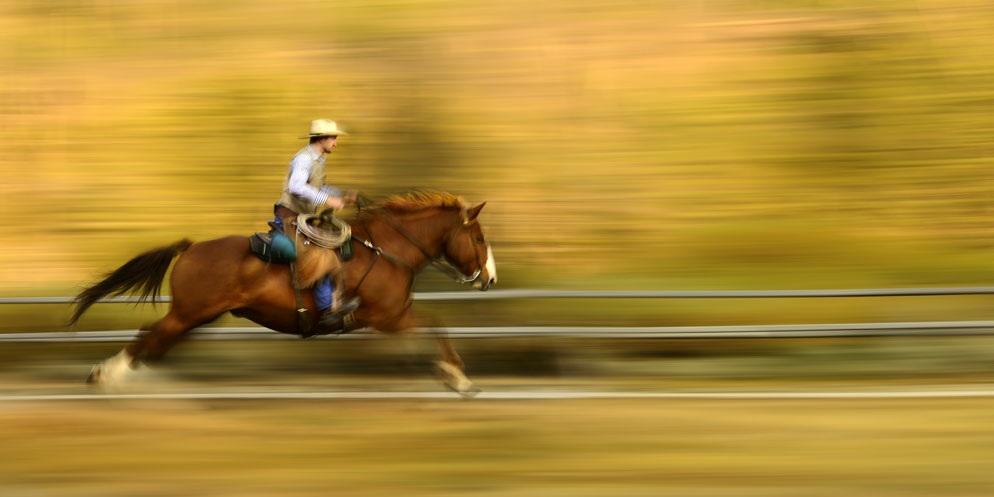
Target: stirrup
347 307
338 325
338 321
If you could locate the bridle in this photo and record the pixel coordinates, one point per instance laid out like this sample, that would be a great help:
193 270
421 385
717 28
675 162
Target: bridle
440 262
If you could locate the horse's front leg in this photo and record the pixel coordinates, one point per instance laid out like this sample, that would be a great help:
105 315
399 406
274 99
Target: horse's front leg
449 367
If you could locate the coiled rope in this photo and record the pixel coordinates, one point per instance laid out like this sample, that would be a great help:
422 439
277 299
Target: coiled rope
326 238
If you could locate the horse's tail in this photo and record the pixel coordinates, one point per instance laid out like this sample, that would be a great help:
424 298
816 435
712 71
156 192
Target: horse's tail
144 272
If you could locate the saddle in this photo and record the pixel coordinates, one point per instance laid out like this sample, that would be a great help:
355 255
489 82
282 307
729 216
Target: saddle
323 230
276 247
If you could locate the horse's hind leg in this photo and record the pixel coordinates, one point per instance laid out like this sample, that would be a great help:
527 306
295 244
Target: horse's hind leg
156 339
152 344
205 283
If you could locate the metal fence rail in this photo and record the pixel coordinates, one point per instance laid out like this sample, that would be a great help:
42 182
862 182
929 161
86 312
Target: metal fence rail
928 328
611 294
933 328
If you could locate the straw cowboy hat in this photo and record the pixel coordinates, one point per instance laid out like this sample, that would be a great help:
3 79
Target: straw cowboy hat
324 127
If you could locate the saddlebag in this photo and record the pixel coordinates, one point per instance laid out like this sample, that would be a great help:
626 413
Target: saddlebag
273 247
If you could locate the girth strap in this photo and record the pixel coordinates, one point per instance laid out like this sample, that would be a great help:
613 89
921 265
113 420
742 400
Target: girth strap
303 319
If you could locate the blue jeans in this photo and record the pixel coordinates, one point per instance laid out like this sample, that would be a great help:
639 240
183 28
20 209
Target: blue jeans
324 288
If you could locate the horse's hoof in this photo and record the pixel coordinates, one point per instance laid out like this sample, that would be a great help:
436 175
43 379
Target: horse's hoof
472 392
454 379
467 392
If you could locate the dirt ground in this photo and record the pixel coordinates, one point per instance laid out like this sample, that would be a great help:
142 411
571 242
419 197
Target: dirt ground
453 448
616 447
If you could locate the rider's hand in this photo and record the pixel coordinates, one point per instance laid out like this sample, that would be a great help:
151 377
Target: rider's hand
350 197
334 203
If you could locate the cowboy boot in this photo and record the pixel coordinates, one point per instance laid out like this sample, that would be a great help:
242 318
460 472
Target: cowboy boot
337 319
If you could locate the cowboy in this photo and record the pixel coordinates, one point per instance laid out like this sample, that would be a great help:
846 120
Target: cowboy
304 191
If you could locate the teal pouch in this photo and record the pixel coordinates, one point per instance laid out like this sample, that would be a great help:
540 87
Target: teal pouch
283 250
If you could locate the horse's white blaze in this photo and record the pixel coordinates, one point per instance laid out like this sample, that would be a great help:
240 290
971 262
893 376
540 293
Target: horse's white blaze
491 265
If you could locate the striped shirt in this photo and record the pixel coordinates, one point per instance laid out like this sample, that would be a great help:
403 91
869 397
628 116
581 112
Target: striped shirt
305 182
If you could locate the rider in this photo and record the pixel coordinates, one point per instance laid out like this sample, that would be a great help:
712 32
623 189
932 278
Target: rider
304 191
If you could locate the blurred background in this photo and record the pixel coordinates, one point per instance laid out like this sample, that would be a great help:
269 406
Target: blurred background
653 144
626 145
721 144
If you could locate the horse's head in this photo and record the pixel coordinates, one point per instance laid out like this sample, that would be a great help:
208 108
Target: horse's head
468 251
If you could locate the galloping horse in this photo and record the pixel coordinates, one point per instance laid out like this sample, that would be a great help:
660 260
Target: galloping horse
405 234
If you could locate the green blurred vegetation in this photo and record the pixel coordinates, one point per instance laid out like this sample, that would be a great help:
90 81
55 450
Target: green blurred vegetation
633 144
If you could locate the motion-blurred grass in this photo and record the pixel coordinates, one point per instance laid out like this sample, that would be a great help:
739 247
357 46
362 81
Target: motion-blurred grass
637 144
576 448
405 364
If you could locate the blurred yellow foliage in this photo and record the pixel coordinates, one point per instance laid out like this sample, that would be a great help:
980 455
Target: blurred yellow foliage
642 143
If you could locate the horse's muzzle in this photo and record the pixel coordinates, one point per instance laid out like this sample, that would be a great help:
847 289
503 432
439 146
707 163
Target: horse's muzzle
491 269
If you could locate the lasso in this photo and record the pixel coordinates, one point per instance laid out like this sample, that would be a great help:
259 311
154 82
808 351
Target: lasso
329 239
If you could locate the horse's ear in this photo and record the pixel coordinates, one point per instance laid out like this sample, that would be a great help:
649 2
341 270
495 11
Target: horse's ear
474 211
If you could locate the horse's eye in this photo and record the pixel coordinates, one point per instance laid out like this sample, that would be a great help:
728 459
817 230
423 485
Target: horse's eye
479 239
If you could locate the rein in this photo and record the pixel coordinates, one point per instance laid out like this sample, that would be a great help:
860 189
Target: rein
439 262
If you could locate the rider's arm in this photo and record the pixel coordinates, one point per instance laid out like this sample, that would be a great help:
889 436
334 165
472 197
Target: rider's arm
335 199
332 191
316 199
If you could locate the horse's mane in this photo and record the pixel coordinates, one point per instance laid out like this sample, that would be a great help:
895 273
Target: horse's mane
421 199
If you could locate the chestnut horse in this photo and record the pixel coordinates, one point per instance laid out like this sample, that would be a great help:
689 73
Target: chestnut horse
405 234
